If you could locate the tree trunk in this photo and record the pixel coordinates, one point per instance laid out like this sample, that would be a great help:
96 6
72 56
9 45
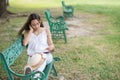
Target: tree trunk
3 8
7 2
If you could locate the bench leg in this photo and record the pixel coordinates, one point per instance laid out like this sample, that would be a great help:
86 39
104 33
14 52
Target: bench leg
54 70
65 38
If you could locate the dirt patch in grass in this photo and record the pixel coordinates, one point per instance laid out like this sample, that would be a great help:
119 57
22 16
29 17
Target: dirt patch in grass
84 24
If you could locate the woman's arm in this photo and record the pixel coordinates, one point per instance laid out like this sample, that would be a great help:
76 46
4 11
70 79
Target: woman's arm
27 35
50 42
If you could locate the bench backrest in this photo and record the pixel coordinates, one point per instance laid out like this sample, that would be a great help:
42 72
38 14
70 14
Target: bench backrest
63 5
12 52
47 14
49 18
68 10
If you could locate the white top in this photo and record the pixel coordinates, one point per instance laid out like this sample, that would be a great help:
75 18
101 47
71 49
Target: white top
37 43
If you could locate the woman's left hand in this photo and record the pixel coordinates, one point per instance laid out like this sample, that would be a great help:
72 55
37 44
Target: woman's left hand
50 49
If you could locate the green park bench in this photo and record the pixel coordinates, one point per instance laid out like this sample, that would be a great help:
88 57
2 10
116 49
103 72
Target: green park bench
68 10
9 56
57 26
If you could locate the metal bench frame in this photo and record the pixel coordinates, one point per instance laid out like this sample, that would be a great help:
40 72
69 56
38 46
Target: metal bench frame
9 55
57 26
68 10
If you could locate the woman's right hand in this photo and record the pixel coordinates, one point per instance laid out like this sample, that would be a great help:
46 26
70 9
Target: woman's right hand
31 29
27 35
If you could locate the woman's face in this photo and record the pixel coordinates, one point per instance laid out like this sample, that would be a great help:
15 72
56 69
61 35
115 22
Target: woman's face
35 24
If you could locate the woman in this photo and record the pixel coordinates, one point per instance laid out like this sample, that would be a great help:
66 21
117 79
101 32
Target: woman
38 38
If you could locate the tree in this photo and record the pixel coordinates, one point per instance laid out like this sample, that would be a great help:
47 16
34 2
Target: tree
3 8
7 2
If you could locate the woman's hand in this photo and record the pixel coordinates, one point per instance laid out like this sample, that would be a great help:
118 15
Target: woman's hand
27 35
50 48
31 29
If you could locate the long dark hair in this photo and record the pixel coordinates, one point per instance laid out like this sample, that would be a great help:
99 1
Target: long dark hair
28 22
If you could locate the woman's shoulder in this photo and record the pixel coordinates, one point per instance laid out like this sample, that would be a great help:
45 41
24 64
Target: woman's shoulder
45 29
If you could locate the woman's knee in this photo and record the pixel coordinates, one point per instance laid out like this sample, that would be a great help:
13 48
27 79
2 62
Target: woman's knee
49 58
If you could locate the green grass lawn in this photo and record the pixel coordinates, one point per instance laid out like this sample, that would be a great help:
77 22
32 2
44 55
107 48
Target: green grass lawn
95 57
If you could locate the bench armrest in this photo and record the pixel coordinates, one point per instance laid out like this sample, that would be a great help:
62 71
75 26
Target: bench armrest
56 59
28 75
